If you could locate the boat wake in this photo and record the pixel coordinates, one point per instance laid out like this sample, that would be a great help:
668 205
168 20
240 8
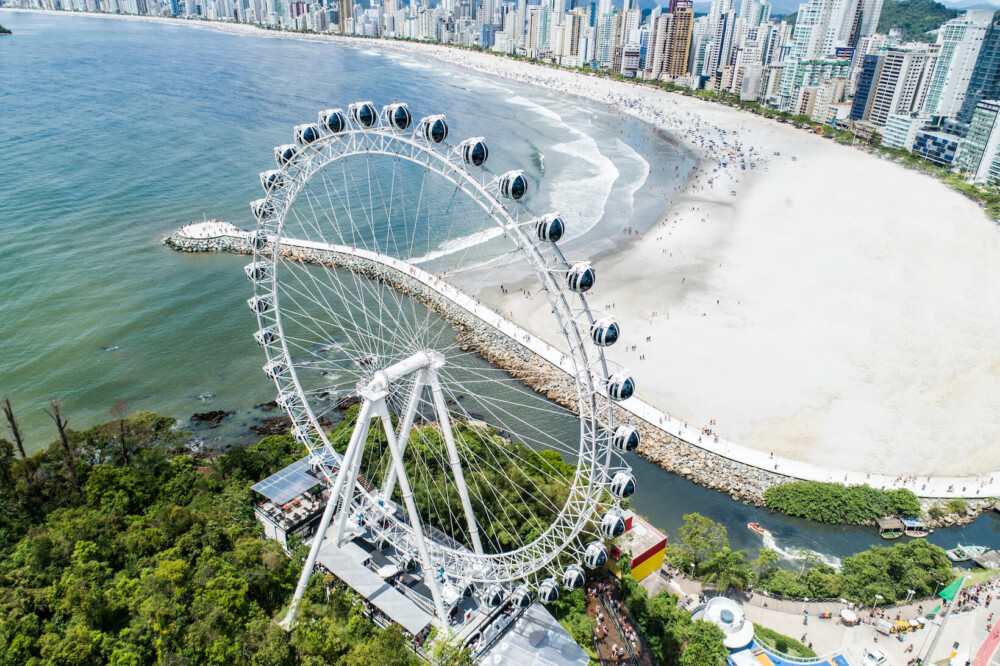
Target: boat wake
799 554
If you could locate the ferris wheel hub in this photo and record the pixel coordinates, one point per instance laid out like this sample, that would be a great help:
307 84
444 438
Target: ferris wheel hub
378 386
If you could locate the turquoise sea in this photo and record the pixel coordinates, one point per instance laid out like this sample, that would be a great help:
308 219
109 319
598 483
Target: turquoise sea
113 133
117 132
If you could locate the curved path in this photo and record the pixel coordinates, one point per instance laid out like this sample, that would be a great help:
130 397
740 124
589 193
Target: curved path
930 487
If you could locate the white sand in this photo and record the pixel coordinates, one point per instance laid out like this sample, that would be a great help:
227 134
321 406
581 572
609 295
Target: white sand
839 310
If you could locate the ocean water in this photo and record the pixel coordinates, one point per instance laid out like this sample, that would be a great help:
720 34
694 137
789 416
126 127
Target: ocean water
117 132
114 133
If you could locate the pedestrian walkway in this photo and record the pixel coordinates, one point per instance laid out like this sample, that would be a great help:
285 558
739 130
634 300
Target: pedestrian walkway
979 486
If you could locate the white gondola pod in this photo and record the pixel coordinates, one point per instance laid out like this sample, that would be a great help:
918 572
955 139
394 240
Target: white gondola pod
307 134
261 304
286 401
363 114
433 129
596 555
522 596
262 209
271 180
474 151
276 369
397 116
574 577
494 595
621 386
625 438
266 336
513 185
622 484
605 331
257 240
257 271
333 120
581 277
285 154
613 523
550 228
548 590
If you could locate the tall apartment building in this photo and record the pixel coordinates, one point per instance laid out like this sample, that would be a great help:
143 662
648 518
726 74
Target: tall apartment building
671 42
821 27
893 82
979 156
960 41
985 81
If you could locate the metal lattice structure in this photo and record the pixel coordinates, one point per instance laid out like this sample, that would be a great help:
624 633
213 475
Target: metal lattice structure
352 275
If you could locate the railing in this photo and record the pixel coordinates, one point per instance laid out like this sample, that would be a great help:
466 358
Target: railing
787 657
606 605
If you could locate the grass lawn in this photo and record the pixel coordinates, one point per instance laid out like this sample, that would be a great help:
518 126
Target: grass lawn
781 643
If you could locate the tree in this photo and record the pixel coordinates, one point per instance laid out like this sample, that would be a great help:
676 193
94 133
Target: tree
15 428
67 448
448 650
765 561
728 569
119 412
388 648
704 646
701 539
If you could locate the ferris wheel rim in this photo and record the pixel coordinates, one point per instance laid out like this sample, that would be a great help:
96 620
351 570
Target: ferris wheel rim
585 488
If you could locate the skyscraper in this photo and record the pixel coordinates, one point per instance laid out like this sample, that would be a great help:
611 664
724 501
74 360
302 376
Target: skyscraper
985 80
960 40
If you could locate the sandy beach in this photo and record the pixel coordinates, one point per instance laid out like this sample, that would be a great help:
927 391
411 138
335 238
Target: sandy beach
806 299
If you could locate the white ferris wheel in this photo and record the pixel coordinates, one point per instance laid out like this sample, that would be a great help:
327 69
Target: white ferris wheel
374 240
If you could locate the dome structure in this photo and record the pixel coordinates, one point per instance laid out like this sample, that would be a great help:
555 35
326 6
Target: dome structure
727 615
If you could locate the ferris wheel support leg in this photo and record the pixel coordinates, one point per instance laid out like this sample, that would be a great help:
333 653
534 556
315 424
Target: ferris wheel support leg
456 465
404 431
361 429
331 505
411 510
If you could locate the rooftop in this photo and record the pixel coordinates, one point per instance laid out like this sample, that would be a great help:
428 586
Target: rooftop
641 536
287 484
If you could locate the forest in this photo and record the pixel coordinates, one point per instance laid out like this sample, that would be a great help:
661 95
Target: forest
115 549
890 571
914 18
837 503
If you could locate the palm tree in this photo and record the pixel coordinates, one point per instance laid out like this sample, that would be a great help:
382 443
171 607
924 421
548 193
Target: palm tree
728 569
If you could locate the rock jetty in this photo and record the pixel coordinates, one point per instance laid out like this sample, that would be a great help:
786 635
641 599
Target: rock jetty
741 482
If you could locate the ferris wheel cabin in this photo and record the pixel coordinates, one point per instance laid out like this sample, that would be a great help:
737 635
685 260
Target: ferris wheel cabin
363 114
285 153
474 151
398 117
550 228
306 134
605 331
434 128
333 120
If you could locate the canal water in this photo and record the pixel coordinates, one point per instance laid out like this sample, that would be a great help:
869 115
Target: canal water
102 160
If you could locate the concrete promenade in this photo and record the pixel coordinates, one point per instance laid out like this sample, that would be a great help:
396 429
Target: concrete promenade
977 487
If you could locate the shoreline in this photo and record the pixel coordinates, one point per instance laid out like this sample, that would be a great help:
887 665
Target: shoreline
527 358
708 188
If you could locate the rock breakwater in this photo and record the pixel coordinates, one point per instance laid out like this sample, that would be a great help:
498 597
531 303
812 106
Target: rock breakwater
740 481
